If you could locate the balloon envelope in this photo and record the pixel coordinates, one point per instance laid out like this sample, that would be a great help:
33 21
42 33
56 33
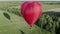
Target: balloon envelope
31 12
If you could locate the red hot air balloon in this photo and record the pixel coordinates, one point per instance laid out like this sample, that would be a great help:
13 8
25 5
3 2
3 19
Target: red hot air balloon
31 12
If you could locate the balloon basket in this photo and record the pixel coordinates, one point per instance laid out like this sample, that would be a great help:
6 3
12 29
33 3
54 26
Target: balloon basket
30 28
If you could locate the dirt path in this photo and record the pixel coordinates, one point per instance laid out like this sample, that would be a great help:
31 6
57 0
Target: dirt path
55 10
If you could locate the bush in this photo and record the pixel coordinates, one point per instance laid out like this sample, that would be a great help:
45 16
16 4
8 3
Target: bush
14 11
50 23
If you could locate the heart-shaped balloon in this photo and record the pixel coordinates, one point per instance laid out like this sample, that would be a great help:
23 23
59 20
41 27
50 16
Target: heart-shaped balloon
31 12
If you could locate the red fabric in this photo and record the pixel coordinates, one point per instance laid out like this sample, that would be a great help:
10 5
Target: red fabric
31 12
23 7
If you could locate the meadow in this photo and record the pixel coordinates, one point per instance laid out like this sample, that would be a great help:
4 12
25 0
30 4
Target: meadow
12 22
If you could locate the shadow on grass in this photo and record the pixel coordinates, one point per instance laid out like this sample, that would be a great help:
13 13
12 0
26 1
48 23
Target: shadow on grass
57 30
21 32
7 15
51 13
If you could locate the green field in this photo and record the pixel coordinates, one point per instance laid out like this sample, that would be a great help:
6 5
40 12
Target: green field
14 23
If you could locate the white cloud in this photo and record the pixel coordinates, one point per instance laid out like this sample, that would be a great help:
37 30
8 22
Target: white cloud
29 0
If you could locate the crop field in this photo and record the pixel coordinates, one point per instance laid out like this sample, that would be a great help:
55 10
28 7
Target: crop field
12 22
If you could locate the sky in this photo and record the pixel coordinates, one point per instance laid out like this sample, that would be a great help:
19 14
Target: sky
29 0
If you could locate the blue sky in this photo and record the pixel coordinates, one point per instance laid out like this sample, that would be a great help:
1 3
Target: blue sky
29 0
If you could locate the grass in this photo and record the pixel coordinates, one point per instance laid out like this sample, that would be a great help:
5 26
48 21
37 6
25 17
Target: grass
47 7
15 24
